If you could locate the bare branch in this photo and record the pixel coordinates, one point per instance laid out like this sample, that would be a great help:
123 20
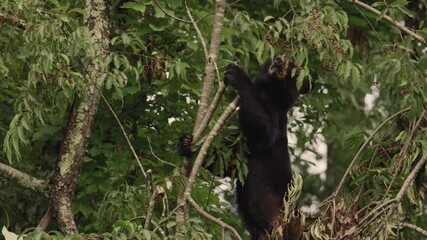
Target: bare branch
47 217
212 58
170 15
159 159
213 219
208 80
210 112
204 149
158 192
24 179
390 20
199 34
126 137
182 199
414 227
341 184
411 177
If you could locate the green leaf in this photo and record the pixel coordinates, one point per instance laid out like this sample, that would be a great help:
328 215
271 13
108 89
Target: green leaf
267 18
406 11
348 68
355 75
139 7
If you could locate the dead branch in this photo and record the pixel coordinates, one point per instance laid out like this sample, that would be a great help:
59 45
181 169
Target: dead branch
158 192
208 80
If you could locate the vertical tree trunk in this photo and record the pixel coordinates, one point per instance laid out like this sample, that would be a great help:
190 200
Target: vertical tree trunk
64 179
205 101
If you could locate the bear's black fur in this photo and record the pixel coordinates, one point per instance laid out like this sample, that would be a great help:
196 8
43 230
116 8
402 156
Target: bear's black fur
263 108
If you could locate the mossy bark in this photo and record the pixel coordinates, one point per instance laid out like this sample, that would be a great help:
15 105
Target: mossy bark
64 178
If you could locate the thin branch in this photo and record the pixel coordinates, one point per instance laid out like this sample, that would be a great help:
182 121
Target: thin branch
22 23
159 159
341 184
390 20
414 227
212 107
125 135
408 141
158 192
204 149
411 177
24 179
213 219
199 34
158 228
210 112
368 219
47 217
170 15
156 225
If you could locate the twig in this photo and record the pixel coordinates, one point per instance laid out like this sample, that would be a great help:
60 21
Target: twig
210 112
159 159
212 107
170 15
24 179
390 20
213 219
156 225
126 137
414 227
204 149
158 192
44 222
404 149
341 184
150 179
368 219
409 140
183 198
411 177
196 28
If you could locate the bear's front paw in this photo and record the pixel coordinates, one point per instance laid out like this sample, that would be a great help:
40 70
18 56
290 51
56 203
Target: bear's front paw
233 74
184 145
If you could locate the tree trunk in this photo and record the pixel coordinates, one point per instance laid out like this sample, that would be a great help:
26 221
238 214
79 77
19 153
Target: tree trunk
64 179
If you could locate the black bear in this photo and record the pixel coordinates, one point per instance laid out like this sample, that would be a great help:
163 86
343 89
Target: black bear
263 108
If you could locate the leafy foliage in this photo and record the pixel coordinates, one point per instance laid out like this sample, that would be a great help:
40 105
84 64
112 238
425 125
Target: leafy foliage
153 82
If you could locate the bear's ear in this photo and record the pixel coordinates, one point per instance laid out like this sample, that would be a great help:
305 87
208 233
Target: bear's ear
307 86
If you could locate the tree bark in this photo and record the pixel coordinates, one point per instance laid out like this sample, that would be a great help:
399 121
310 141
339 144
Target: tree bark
205 101
64 178
23 179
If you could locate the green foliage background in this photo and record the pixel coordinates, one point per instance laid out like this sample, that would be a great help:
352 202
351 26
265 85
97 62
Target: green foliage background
154 82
